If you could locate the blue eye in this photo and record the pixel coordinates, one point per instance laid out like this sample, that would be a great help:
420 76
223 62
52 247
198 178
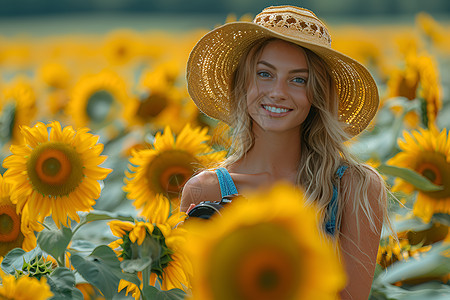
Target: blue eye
263 74
299 80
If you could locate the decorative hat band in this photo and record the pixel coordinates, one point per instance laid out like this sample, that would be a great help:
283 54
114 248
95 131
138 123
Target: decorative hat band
295 23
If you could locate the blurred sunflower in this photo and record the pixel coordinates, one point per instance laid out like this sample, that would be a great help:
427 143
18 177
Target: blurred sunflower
16 230
24 288
391 251
55 172
428 153
159 100
55 75
167 166
18 107
99 100
357 44
160 233
418 79
432 29
268 247
89 291
122 47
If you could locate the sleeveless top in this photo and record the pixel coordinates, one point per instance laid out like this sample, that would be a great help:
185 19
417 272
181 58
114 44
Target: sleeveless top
227 187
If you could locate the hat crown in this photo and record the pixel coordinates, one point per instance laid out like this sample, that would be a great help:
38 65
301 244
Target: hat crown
295 22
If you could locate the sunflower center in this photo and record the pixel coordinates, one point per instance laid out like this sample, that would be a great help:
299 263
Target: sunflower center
9 224
169 171
99 105
436 168
175 177
55 169
152 106
431 172
262 261
268 279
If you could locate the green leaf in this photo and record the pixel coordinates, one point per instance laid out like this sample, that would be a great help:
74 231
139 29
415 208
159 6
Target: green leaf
16 258
54 241
62 285
412 224
431 264
441 218
135 265
102 269
432 290
82 246
97 215
152 293
7 118
420 182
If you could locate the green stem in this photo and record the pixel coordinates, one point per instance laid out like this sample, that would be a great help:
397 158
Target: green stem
78 227
146 277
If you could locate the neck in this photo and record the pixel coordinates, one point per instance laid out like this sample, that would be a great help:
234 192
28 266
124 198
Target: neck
276 153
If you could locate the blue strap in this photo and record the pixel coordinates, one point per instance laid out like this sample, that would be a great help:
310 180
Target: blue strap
330 226
226 183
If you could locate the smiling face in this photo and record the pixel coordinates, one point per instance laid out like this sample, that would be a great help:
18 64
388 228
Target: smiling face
277 97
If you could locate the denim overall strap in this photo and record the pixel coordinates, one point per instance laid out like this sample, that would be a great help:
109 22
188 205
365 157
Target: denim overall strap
226 183
330 226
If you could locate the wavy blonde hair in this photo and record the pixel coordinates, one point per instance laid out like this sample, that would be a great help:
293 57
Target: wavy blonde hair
322 139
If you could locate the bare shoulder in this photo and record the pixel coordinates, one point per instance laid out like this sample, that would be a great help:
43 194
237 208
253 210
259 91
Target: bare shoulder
201 187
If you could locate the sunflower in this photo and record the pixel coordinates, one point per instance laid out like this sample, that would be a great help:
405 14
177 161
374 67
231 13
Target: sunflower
89 291
16 230
55 172
19 100
167 166
428 153
24 288
170 265
160 98
99 100
268 247
122 47
55 75
432 29
418 79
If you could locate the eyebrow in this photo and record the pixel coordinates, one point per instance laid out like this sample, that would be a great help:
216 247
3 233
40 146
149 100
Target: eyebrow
303 70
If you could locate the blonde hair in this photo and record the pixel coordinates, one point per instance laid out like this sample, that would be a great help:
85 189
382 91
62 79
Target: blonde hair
322 138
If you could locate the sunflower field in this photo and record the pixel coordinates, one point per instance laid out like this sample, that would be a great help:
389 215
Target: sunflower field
98 135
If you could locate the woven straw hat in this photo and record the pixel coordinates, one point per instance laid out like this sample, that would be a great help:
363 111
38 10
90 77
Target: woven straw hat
215 57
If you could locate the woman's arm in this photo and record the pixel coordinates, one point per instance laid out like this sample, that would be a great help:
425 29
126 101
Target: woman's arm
201 187
360 237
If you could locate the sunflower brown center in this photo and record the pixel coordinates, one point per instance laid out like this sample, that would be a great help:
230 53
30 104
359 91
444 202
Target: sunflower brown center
436 168
55 169
169 171
99 106
9 224
261 261
431 172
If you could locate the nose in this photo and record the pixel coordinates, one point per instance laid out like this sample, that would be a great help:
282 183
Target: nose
278 90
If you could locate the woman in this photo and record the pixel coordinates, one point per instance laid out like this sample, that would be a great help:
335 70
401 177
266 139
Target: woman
292 102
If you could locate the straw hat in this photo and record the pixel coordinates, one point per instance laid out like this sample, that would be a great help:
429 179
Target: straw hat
215 57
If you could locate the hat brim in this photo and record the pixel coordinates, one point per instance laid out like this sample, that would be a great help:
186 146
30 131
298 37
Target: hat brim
215 57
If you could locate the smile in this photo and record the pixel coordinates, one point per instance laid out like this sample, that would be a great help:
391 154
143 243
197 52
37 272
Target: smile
274 109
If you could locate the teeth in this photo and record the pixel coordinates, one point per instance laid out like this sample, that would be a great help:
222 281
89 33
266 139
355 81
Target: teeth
275 109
